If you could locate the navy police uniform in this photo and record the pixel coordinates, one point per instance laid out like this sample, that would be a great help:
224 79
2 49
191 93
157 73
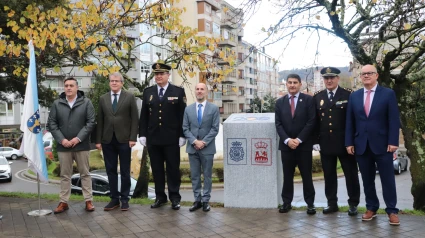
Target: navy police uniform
161 123
330 135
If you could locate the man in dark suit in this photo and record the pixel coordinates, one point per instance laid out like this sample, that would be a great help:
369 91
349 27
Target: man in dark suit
117 124
200 126
331 111
161 131
372 134
295 119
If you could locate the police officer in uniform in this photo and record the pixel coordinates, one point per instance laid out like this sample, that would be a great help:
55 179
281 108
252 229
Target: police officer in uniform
331 106
160 129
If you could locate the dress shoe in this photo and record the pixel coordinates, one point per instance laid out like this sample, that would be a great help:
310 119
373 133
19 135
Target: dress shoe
175 205
369 215
393 218
196 205
124 206
111 205
311 210
89 206
158 203
206 207
352 211
285 208
330 209
61 208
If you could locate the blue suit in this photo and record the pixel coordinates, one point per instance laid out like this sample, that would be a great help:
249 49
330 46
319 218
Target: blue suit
370 136
201 160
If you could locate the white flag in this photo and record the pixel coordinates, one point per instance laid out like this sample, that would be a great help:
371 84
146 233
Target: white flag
32 142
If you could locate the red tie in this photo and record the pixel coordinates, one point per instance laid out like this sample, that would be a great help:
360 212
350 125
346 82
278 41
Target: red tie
367 103
292 106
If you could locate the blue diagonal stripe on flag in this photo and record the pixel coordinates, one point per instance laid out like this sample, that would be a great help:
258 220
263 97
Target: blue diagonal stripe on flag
32 142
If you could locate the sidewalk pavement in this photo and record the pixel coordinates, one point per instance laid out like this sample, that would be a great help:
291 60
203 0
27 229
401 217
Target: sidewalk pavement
142 221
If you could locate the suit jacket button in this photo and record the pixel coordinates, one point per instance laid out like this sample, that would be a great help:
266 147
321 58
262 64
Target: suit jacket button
159 118
330 116
159 111
160 104
159 123
330 131
330 124
329 109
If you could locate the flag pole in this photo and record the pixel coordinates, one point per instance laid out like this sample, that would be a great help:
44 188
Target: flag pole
40 212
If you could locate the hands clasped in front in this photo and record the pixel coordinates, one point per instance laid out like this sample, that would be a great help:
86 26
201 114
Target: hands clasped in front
198 144
293 143
70 143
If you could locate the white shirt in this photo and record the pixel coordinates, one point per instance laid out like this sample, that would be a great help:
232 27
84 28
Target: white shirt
372 94
118 96
204 103
295 99
71 103
159 89
334 91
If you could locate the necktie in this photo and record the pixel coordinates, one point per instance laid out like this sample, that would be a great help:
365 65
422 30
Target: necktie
292 106
331 95
161 93
115 102
367 103
199 114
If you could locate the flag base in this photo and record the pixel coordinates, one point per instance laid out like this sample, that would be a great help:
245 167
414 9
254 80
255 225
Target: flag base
39 213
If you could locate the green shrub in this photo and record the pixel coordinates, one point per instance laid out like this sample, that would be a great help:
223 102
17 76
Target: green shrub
317 165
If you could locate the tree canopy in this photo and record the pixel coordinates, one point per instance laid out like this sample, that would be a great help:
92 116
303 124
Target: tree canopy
98 37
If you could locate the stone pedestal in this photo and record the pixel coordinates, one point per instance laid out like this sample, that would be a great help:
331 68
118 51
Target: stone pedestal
253 174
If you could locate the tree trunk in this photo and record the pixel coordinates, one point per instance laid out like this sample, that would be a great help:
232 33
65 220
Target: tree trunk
410 115
141 190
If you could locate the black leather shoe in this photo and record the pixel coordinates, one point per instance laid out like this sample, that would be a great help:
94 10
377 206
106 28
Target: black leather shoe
352 211
158 203
311 210
175 205
111 206
196 205
330 209
285 208
124 206
206 207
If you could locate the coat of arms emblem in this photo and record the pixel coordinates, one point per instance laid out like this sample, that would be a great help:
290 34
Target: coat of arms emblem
236 151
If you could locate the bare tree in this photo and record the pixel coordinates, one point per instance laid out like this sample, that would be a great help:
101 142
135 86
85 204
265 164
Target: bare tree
386 33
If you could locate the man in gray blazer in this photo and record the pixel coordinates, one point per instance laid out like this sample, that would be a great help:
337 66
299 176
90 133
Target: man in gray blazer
200 127
117 127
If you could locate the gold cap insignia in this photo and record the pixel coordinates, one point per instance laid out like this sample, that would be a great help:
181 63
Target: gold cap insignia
328 70
157 66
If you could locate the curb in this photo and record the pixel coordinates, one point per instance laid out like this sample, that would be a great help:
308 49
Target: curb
33 177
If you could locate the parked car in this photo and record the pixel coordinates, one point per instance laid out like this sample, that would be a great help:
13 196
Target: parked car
400 162
48 152
10 152
100 184
5 170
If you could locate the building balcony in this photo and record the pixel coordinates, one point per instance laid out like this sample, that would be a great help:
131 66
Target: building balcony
229 80
229 98
215 5
241 83
249 96
228 42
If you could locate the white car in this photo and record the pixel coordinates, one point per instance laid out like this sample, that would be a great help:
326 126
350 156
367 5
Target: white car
10 152
5 170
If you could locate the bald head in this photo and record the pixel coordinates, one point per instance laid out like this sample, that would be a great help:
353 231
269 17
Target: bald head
201 92
369 76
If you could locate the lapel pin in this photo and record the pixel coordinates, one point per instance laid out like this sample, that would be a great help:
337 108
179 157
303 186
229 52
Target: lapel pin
301 100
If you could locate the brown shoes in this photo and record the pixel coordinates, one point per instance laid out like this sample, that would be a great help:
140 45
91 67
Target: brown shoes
61 208
393 218
369 215
89 206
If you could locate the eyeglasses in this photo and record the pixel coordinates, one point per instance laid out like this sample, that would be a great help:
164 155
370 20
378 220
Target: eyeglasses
367 74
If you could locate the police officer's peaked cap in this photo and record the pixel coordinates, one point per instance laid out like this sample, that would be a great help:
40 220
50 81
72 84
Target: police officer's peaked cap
160 67
329 71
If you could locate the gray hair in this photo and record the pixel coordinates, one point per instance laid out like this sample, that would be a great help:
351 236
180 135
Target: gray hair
119 75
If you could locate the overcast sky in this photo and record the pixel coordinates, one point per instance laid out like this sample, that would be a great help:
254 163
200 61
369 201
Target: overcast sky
300 53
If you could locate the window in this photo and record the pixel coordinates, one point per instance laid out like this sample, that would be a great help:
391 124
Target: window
3 109
208 8
100 185
216 28
207 26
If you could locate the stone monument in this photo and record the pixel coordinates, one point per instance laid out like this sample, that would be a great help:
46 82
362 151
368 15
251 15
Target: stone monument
253 175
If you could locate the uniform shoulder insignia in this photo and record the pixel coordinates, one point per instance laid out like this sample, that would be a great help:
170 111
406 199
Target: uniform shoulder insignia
349 90
318 91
